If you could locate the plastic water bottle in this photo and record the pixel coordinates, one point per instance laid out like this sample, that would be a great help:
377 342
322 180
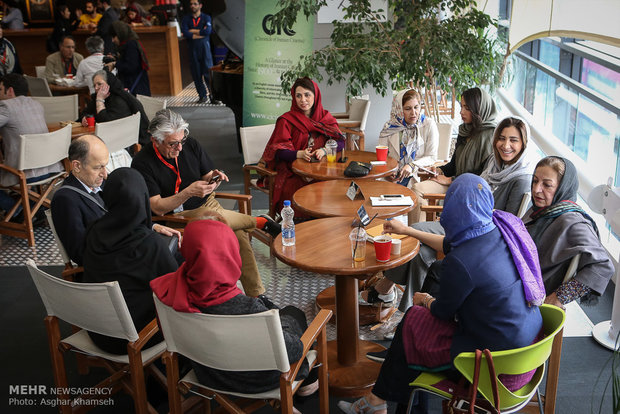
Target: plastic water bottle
288 225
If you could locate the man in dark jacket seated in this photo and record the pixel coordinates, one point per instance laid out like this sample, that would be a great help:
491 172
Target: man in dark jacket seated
77 203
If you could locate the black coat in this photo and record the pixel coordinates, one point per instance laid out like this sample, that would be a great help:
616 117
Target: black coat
72 213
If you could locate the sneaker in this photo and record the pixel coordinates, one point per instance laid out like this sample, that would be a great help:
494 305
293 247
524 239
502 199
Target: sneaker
378 356
376 297
271 226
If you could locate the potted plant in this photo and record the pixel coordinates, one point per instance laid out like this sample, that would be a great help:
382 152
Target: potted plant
439 44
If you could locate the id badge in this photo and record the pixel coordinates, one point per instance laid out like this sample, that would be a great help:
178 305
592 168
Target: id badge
178 209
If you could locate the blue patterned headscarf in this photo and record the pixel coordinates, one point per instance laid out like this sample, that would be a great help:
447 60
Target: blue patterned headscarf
468 209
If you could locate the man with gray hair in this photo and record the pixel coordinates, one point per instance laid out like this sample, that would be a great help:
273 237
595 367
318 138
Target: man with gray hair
181 178
91 64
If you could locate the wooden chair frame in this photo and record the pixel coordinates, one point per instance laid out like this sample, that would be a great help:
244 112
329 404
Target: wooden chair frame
316 332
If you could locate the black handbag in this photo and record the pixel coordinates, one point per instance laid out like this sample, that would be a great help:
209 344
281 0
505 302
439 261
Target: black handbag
357 169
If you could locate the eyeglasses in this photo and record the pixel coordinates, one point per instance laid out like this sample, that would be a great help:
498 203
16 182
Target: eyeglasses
176 143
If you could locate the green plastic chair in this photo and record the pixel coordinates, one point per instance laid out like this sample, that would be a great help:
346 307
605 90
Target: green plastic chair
512 361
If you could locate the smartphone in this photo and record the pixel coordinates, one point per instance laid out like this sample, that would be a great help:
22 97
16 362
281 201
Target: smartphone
426 170
215 179
464 405
392 195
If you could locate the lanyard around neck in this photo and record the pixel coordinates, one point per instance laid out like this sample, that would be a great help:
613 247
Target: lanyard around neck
196 21
177 184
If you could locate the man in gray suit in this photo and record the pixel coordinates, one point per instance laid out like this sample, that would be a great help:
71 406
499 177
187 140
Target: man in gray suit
19 114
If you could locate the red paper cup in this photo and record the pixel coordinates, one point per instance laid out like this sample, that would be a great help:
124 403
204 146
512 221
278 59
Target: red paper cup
91 121
382 151
383 246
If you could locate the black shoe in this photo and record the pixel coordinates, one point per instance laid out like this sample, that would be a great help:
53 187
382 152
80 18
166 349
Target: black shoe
204 100
271 226
377 356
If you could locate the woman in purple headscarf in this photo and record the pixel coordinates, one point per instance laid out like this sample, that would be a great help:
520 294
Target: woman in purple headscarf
490 289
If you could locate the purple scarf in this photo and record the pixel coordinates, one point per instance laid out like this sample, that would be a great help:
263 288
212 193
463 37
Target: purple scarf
524 254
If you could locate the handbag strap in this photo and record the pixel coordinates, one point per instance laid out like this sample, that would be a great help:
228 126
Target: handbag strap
493 377
474 385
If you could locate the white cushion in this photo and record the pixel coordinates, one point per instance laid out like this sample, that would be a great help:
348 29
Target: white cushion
82 341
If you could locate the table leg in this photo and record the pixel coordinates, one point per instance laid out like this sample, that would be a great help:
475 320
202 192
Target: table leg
351 374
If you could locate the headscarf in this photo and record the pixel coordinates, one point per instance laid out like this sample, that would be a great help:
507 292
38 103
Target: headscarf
125 33
137 19
468 213
116 88
210 272
472 142
468 209
564 201
397 124
321 122
128 219
496 173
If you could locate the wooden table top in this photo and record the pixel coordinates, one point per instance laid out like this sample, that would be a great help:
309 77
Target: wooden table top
335 171
76 131
323 246
328 198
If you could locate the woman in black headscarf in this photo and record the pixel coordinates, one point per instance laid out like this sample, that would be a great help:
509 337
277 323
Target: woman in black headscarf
110 102
122 246
132 64
561 230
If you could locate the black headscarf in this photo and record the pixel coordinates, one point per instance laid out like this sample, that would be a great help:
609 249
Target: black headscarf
564 201
129 212
120 246
117 89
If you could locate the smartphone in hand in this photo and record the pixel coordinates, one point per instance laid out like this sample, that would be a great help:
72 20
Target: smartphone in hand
215 179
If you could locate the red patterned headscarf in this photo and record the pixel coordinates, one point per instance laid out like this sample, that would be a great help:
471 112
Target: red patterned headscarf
210 272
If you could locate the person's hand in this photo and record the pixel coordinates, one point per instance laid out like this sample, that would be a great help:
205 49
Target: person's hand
442 179
552 299
214 173
320 153
419 298
84 122
200 188
404 172
103 92
305 154
168 231
394 226
110 65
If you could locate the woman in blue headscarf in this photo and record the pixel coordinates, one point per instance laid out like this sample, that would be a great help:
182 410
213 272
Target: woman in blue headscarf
490 290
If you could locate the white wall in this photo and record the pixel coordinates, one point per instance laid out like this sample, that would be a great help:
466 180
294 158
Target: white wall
334 95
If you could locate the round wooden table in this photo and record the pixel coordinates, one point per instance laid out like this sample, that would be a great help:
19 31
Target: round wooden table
76 131
328 198
323 246
324 170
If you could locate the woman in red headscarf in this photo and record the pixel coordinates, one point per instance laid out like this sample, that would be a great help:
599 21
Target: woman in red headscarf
207 282
299 133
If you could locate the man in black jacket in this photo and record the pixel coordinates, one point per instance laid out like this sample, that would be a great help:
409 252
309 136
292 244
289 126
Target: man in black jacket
77 203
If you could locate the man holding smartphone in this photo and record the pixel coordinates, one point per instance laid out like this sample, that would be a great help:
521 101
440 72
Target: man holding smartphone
181 178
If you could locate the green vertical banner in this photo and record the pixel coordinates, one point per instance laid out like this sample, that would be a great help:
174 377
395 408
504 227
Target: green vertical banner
268 52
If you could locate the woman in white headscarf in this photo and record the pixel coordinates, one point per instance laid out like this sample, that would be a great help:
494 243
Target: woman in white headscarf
411 137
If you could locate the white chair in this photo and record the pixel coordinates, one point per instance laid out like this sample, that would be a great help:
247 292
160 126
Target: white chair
38 86
35 151
445 141
118 135
239 343
355 124
151 105
101 308
253 142
525 204
70 267
40 71
59 108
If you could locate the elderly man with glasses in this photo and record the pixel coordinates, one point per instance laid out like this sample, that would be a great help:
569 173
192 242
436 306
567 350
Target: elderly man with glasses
181 178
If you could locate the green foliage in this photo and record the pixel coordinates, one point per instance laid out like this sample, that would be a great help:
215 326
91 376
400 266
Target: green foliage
415 45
